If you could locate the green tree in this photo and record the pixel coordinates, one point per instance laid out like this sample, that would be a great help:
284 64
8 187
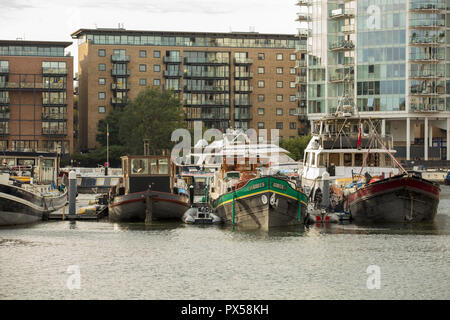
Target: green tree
112 119
296 146
153 115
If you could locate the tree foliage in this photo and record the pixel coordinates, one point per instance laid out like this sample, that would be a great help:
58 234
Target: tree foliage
296 146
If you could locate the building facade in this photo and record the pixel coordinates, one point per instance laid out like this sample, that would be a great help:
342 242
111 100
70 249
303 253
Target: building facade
36 97
239 80
390 60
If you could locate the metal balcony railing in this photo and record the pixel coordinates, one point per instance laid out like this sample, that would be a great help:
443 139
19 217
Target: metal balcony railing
54 101
120 58
60 71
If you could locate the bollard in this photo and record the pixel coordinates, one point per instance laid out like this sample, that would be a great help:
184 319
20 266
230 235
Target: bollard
326 190
72 193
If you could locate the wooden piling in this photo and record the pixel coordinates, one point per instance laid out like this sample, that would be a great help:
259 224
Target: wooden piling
149 208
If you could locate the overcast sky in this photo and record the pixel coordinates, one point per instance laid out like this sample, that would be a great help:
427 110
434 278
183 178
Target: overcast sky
55 20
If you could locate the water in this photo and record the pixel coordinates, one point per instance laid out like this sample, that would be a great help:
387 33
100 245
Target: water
171 260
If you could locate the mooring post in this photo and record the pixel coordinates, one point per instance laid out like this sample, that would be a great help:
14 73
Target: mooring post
326 190
72 193
149 207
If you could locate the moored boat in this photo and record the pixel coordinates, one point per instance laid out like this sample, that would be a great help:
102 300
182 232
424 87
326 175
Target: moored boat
148 177
27 188
397 199
447 179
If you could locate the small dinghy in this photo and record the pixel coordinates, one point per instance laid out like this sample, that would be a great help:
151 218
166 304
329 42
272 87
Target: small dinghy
200 215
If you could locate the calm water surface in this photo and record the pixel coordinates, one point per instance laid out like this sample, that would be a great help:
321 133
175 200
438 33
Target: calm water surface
177 261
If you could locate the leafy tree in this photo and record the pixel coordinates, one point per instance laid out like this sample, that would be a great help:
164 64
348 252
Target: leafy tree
296 146
153 115
112 119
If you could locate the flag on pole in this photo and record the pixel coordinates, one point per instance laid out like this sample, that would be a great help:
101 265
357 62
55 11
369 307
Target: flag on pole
358 144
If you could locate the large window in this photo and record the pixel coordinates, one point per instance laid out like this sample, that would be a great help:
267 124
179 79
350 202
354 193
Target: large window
139 166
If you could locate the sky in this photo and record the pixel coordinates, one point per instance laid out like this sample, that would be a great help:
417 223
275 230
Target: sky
55 20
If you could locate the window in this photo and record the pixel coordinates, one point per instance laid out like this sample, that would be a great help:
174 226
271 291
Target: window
142 82
101 81
156 68
260 125
142 67
279 112
260 83
292 84
279 97
279 84
292 98
292 125
156 54
260 56
292 112
101 67
292 70
142 53
371 68
279 125
260 98
260 70
156 82
293 57
261 111
101 53
139 166
279 70
279 56
101 109
102 95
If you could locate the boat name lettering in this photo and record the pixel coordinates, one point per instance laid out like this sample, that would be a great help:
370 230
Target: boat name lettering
257 186
279 186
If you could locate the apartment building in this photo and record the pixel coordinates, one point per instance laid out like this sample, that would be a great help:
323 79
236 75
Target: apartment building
36 96
239 80
390 59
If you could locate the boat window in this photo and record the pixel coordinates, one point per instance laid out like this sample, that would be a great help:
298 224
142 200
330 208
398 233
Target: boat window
334 159
8 162
257 186
153 166
139 166
232 175
25 162
100 182
358 159
373 160
279 186
48 163
313 162
347 159
163 166
308 158
321 160
114 181
387 160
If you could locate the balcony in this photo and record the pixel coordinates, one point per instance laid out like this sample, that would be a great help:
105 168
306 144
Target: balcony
120 87
242 116
427 41
4 70
118 101
343 45
301 95
54 86
215 102
121 73
206 88
243 89
173 88
4 100
54 71
300 47
426 24
4 130
426 107
244 61
303 32
342 13
302 3
20 86
205 74
54 102
427 6
302 17
426 74
172 59
120 59
173 73
243 75
189 60
301 113
54 132
54 116
348 29
341 77
300 63
426 58
242 102
4 116
300 79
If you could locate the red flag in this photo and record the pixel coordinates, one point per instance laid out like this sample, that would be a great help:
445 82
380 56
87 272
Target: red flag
358 144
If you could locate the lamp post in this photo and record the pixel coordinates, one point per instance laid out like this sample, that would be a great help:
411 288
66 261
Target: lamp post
107 149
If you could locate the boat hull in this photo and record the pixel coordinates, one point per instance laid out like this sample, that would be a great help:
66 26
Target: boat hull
398 199
132 207
265 208
19 206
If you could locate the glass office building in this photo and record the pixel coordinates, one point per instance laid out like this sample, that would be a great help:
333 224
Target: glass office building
389 59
